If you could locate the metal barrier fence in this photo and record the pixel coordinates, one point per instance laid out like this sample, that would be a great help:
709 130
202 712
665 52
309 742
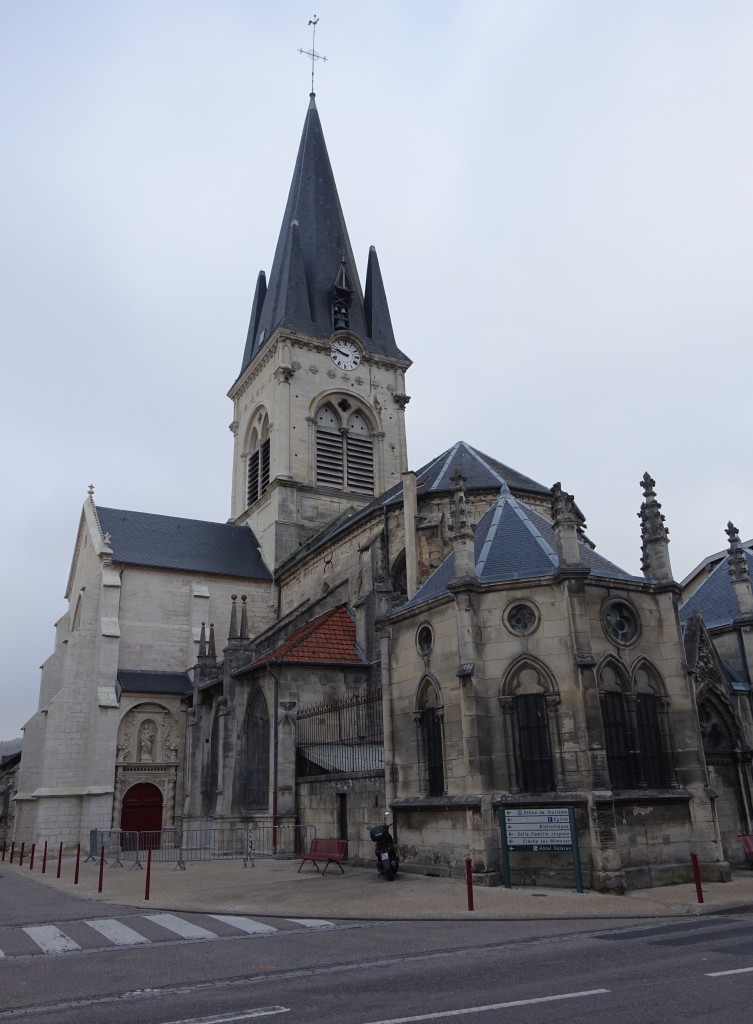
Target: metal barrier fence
200 844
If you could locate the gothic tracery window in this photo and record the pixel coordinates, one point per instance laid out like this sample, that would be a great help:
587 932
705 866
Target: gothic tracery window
257 752
259 457
636 755
344 449
532 737
429 718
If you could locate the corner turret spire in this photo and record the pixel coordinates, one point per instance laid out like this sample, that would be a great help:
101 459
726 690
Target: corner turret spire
313 268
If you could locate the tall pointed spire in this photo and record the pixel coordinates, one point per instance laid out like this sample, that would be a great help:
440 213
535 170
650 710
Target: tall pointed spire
313 252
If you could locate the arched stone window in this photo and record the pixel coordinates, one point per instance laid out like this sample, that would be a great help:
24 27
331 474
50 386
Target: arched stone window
637 743
256 760
429 718
530 701
344 448
650 713
259 459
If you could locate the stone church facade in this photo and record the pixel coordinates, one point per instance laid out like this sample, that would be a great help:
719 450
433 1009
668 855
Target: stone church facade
442 644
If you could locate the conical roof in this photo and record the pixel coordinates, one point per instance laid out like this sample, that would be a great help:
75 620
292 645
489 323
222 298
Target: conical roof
313 252
513 542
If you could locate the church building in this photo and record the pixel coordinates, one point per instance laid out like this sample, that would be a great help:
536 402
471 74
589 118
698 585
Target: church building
442 644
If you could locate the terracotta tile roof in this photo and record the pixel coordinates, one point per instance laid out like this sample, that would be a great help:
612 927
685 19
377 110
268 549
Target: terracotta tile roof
327 639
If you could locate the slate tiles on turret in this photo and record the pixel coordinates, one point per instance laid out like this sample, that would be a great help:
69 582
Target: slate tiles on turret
513 542
189 545
148 681
715 597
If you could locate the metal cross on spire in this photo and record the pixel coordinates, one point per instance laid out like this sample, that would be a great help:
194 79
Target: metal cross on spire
312 52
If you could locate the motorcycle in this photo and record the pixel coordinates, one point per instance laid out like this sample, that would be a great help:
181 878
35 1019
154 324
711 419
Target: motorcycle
387 860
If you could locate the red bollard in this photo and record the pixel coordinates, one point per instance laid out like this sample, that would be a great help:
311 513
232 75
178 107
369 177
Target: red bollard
148 873
31 859
78 860
21 858
469 881
60 859
101 868
697 877
12 851
44 858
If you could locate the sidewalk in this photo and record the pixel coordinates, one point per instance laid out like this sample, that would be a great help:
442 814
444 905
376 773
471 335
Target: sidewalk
275 888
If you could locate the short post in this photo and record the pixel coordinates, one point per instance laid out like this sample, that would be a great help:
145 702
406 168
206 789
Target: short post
60 859
12 850
469 881
31 859
148 873
101 868
3 850
697 877
44 857
21 858
78 861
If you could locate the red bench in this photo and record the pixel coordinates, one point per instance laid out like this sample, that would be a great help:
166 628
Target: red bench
331 851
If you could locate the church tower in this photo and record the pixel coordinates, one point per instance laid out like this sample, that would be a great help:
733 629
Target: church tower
319 404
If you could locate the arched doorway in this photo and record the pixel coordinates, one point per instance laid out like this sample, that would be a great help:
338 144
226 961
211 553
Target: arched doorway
142 812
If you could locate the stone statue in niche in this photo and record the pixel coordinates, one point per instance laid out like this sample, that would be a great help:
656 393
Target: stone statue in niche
146 741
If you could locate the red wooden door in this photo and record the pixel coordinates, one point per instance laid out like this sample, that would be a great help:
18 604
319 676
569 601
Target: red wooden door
142 812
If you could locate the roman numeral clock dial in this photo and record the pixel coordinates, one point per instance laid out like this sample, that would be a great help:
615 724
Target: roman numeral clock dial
345 355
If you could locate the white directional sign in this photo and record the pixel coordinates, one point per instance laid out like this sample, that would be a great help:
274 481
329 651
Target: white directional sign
538 829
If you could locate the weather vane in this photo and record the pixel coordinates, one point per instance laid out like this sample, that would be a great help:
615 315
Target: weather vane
312 52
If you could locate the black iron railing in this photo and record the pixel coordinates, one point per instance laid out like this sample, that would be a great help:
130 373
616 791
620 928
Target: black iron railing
341 736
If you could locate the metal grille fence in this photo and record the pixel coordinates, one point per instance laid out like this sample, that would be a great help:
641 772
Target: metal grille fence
200 844
341 736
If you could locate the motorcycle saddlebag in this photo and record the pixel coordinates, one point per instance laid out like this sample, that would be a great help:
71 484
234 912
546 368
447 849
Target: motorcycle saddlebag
379 833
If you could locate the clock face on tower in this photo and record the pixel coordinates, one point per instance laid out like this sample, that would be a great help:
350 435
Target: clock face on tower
345 355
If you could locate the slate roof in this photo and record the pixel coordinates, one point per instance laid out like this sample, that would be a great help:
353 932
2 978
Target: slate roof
481 472
513 542
145 681
715 597
329 639
313 243
191 545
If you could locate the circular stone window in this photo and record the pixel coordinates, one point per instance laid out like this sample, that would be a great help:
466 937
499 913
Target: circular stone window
424 639
621 622
521 619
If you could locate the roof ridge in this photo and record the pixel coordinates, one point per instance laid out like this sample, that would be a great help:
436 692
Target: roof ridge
450 454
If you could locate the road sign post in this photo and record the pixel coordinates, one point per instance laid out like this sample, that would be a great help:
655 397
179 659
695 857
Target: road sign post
539 830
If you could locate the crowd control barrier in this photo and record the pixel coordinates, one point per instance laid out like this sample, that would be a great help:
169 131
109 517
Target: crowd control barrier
183 846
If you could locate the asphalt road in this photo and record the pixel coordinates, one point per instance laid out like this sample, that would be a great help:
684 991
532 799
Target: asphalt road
126 965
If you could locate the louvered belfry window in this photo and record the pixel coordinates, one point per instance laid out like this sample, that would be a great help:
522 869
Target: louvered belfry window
329 448
344 454
259 461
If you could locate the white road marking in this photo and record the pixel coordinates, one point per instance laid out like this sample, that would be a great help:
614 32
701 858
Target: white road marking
311 922
737 970
180 927
245 924
51 939
492 1006
119 934
224 1018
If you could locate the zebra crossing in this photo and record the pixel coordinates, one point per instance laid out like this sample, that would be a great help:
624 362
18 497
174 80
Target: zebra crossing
139 930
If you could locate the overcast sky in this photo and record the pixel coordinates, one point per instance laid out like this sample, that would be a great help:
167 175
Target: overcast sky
560 193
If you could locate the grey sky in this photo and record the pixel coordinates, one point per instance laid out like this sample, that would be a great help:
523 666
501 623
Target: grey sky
559 192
